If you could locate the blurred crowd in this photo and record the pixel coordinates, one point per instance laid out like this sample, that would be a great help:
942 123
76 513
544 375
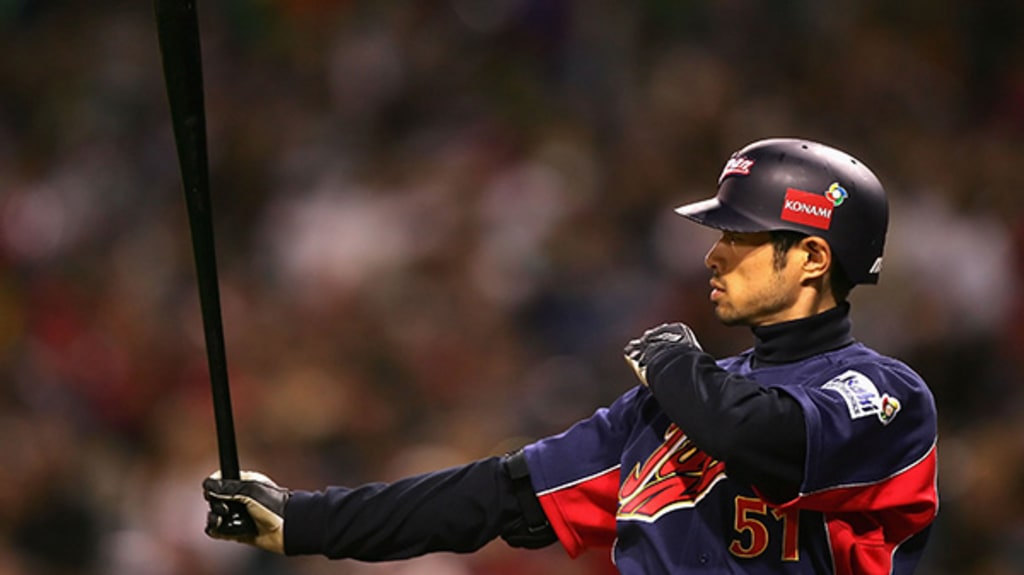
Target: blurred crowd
438 222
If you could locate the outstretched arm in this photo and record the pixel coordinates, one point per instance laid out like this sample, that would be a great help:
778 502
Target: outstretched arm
459 509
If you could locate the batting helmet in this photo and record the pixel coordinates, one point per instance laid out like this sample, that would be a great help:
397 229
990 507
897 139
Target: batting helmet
804 186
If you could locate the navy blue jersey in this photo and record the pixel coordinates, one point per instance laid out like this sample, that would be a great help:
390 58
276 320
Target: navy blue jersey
631 479
809 453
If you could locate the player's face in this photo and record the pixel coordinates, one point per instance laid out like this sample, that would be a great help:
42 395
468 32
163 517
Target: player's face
748 287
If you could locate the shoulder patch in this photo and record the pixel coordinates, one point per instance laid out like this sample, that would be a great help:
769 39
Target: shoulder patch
862 397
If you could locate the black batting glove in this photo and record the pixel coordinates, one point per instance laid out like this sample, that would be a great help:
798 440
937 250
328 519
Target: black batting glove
249 510
641 351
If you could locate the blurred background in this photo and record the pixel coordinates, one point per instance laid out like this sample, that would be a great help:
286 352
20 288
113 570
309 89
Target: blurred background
437 223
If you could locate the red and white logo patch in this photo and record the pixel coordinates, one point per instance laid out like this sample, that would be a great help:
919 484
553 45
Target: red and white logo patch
676 475
737 165
807 209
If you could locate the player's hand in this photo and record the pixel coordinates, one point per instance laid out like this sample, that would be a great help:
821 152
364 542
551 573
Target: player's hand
640 351
249 510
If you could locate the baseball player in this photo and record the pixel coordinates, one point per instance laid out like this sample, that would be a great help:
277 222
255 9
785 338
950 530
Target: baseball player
808 453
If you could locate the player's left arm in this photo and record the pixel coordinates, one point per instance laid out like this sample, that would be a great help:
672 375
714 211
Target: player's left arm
758 432
879 407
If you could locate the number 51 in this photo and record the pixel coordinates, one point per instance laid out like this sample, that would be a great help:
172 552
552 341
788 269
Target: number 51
751 514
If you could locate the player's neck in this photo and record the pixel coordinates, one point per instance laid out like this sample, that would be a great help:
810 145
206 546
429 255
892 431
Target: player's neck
801 338
812 300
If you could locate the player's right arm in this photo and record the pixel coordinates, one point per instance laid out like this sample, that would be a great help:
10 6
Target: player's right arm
459 509
577 473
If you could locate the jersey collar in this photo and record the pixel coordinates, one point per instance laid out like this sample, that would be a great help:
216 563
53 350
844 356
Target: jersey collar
799 339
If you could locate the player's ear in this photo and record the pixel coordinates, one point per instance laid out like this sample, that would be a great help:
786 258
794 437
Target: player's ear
815 257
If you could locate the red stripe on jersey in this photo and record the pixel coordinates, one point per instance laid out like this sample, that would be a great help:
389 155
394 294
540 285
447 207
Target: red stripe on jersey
866 523
583 513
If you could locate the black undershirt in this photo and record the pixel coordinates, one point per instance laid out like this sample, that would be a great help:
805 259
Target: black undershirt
795 340
458 509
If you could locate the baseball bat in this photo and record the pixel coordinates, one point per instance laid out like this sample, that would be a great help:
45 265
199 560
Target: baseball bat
178 35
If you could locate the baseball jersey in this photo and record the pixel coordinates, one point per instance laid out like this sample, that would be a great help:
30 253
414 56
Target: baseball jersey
630 478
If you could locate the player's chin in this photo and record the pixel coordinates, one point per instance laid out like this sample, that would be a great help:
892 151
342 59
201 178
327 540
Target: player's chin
728 315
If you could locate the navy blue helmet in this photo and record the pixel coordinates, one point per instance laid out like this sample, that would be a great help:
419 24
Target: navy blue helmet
803 186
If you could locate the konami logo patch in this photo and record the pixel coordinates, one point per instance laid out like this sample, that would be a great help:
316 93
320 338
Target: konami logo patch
807 209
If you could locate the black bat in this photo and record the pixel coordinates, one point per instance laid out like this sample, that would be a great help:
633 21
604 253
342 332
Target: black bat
178 34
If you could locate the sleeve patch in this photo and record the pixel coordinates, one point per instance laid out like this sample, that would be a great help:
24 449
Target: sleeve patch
862 397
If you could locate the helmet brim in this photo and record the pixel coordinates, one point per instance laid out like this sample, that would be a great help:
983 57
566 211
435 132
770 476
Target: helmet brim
714 214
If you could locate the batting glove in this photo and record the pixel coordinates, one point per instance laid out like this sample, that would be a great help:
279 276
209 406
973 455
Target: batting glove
257 499
640 351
